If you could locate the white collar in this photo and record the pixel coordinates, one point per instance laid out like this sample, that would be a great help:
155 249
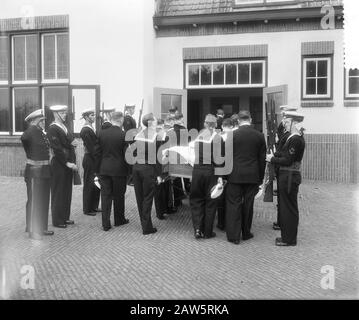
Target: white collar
245 124
62 126
142 138
206 141
89 126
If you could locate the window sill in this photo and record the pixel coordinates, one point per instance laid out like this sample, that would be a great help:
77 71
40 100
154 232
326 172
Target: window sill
6 140
351 103
315 104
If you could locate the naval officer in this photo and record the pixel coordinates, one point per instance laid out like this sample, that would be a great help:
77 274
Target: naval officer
63 165
289 161
37 175
91 194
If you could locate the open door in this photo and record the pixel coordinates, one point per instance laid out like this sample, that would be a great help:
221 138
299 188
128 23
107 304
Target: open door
277 95
164 99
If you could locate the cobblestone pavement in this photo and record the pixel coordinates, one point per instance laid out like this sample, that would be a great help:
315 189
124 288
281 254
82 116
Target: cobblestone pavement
83 262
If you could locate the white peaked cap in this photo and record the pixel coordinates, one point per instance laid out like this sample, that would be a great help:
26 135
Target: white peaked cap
35 114
58 108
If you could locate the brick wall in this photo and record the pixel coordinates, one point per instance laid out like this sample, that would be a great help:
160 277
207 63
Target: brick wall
328 157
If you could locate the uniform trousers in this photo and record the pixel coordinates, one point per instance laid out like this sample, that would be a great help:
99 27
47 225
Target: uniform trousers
144 178
203 208
239 209
162 198
37 205
91 194
113 188
61 192
288 210
221 210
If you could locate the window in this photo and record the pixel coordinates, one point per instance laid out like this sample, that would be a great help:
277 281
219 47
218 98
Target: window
4 110
25 59
25 100
55 57
231 74
4 63
316 78
352 83
52 96
169 101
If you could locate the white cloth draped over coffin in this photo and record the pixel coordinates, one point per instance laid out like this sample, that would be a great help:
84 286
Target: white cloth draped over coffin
186 152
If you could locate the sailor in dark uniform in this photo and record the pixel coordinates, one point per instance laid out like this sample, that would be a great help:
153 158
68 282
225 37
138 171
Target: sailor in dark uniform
91 194
282 136
180 139
161 193
37 175
106 118
227 126
63 165
146 170
220 116
289 159
112 169
203 207
129 122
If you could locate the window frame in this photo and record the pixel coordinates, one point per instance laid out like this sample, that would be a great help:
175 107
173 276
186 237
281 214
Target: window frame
316 58
56 80
22 82
6 82
38 88
7 133
226 62
347 95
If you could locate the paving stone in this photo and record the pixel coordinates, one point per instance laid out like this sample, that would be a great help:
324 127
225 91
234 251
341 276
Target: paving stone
84 262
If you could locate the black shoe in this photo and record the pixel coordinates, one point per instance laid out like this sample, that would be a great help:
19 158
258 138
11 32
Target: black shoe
153 230
60 226
212 235
171 210
106 228
279 242
90 213
161 217
220 227
122 223
35 236
97 210
234 241
48 233
250 236
198 234
69 221
276 226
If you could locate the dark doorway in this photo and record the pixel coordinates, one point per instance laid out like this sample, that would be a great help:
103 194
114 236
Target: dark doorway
256 110
194 114
229 105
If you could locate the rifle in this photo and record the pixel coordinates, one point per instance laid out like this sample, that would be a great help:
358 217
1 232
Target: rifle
271 134
140 115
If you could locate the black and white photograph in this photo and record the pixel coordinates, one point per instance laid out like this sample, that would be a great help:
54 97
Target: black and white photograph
179 150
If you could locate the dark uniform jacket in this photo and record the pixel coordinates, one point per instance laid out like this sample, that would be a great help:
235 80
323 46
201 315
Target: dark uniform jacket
146 146
206 149
106 125
36 147
129 123
292 151
249 153
110 152
219 122
89 139
60 143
